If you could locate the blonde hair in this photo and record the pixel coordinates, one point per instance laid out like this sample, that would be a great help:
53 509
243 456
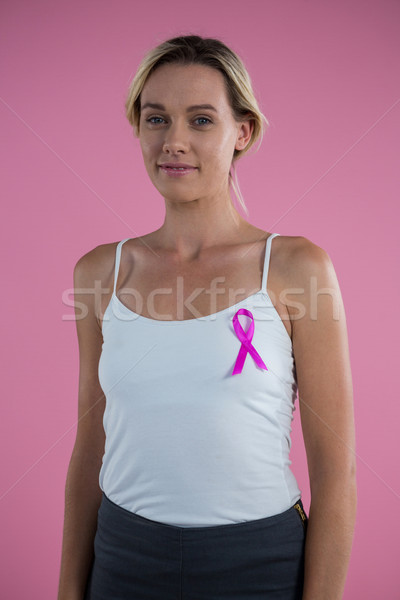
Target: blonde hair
193 49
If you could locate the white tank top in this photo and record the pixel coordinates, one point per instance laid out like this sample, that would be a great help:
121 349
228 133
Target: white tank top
189 443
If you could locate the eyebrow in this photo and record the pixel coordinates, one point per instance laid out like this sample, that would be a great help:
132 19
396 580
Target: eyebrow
157 106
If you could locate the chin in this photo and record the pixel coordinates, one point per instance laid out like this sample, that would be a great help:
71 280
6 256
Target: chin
177 198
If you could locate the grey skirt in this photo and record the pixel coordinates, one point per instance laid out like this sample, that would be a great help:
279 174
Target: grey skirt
139 559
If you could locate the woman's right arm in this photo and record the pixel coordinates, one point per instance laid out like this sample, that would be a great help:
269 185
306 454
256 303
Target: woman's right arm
82 491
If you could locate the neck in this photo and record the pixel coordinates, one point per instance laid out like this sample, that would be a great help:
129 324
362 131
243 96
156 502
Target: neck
194 225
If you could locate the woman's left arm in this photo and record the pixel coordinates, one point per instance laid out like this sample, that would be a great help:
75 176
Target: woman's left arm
320 346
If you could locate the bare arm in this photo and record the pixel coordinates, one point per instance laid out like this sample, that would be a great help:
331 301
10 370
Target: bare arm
321 353
82 491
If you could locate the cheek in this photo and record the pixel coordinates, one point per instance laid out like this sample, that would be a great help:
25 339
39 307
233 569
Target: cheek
220 153
148 146
149 157
145 147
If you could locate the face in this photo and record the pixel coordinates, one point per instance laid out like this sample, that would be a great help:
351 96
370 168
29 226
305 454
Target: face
174 129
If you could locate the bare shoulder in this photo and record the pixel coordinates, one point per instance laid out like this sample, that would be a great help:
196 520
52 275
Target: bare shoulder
300 259
300 251
93 280
99 262
96 264
308 284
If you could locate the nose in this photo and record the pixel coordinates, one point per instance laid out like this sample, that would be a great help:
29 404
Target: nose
176 139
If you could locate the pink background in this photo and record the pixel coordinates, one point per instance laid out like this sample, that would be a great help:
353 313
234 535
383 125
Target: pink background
325 75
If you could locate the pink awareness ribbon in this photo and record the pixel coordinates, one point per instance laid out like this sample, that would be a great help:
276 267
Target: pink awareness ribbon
245 338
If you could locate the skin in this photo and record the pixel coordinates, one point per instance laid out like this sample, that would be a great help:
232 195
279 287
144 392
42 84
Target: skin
203 237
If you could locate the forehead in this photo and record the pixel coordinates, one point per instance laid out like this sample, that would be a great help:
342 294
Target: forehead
174 84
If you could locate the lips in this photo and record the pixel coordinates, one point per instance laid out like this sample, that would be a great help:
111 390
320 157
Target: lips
176 170
176 166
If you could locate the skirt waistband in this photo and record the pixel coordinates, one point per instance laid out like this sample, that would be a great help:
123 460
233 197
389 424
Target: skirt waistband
112 510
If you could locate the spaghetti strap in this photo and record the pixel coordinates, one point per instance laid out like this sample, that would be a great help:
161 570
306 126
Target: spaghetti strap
117 261
266 261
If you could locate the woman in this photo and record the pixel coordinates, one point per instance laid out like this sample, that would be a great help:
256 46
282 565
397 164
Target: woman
195 365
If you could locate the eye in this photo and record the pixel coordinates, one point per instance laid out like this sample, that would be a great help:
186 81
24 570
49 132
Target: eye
150 120
203 119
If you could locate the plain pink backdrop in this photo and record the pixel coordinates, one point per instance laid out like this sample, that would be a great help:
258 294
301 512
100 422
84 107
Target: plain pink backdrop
326 77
